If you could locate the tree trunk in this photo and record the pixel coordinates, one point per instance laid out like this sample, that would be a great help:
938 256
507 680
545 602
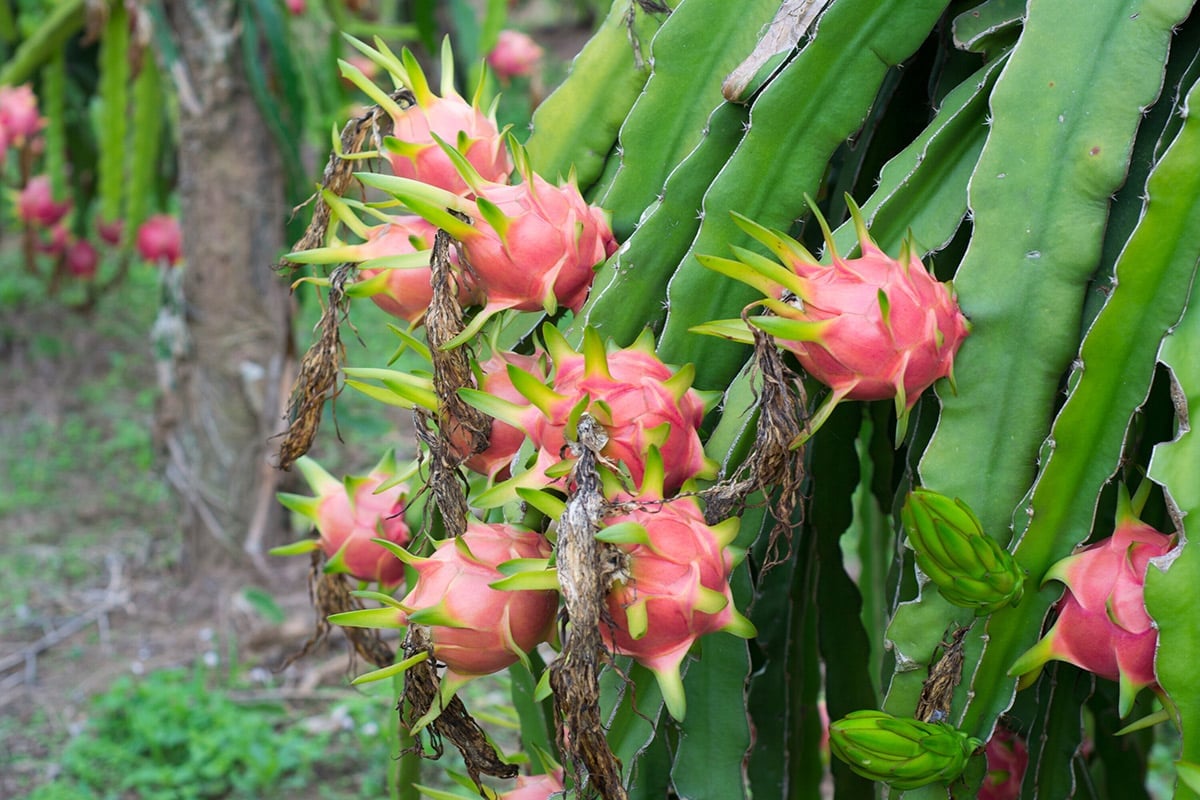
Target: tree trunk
231 369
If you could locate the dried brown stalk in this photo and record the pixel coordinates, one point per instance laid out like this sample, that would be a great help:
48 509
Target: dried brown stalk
585 572
773 466
945 674
421 691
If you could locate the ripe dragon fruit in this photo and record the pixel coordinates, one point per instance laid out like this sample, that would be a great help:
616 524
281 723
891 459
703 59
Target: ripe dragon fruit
349 515
81 259
393 261
414 148
475 629
1007 758
160 239
1102 623
870 327
19 118
493 379
676 586
536 787
36 205
532 246
639 400
515 54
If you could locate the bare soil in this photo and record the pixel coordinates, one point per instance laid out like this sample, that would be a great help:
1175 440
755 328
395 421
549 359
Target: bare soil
92 581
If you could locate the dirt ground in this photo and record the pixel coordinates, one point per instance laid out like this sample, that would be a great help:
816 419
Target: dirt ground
91 583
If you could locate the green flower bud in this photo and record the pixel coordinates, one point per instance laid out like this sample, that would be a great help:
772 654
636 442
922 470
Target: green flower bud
904 753
968 566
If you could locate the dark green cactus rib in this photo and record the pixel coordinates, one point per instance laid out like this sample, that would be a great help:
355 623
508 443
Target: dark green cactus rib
1038 213
114 102
629 288
800 118
698 45
576 126
1171 594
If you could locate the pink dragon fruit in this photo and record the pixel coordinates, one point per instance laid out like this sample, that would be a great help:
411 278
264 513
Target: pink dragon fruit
515 54
676 587
477 630
639 400
159 239
1007 758
36 205
19 118
1102 623
414 148
55 241
536 787
475 627
81 259
349 515
870 328
494 380
532 246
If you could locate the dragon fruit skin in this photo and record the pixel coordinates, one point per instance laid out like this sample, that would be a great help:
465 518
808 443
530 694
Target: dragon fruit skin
1007 758
414 150
475 629
639 401
505 439
19 117
541 248
639 396
1102 624
676 586
403 292
515 54
160 239
536 787
866 352
532 246
36 205
349 514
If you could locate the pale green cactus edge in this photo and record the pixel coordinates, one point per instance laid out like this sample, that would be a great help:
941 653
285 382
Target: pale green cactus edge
1171 585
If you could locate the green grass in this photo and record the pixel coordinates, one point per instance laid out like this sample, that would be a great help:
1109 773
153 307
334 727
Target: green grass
187 734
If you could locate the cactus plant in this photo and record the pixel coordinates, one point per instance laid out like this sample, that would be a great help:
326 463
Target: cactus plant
1052 173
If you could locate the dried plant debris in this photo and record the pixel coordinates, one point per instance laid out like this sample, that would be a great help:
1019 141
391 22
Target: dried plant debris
461 430
944 675
421 691
362 134
773 466
330 594
585 573
317 378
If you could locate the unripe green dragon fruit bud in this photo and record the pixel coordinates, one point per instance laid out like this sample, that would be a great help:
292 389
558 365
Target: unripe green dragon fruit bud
968 566
904 753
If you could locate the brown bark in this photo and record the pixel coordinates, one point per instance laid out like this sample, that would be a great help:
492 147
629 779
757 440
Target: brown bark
225 400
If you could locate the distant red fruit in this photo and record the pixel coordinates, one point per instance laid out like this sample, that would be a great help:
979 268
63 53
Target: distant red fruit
82 259
160 239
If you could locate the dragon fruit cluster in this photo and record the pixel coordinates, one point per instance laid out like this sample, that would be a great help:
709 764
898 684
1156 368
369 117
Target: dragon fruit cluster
45 210
530 245
1102 624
